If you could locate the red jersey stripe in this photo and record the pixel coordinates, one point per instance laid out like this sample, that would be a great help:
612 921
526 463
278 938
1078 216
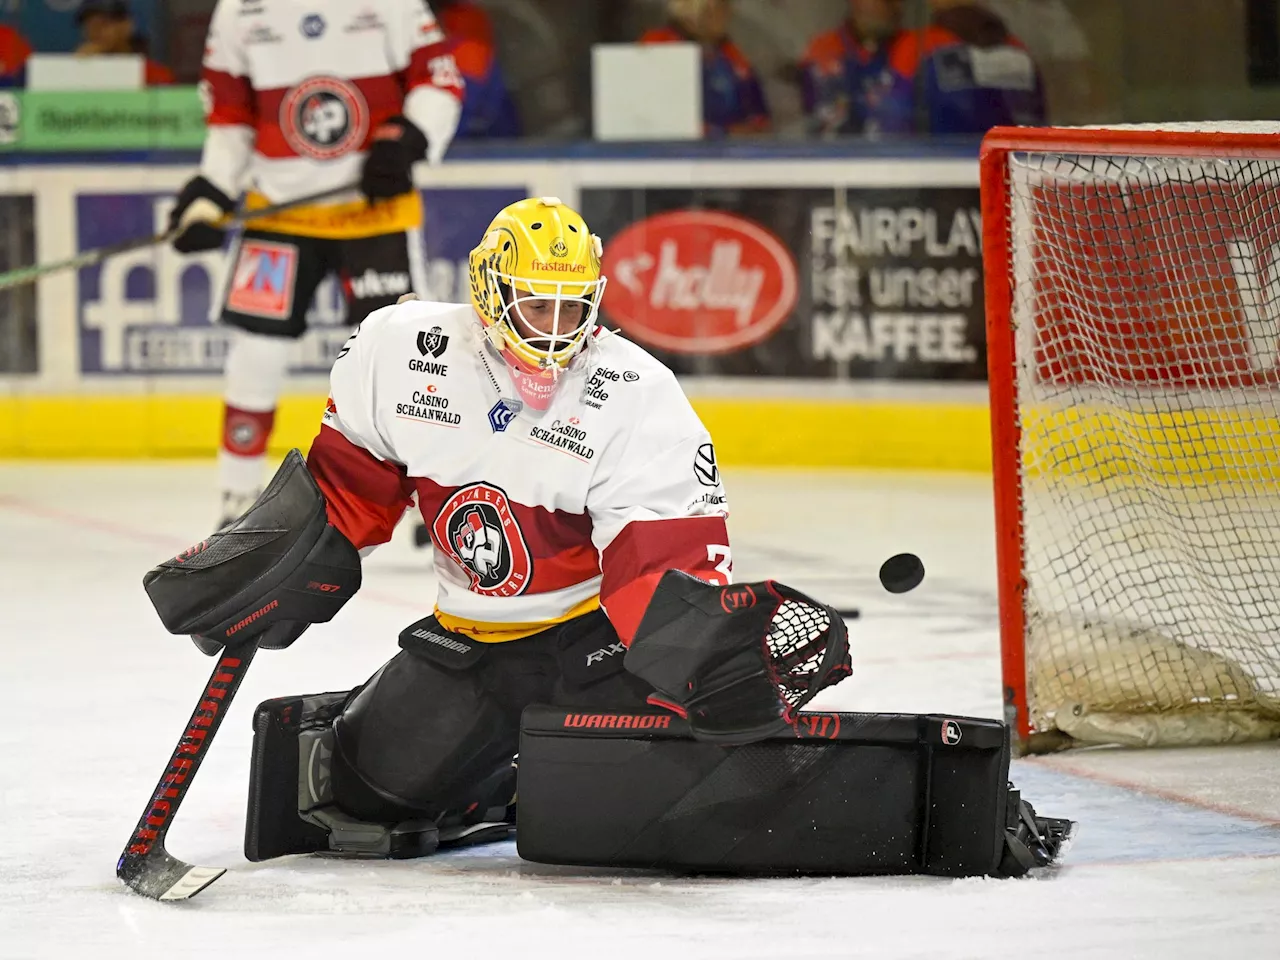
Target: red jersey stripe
365 496
381 98
420 71
645 549
232 99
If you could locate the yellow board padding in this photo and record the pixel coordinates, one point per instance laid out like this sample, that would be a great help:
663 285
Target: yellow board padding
1196 445
769 432
150 425
748 432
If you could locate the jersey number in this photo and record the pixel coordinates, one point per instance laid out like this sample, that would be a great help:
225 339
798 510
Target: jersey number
444 71
719 551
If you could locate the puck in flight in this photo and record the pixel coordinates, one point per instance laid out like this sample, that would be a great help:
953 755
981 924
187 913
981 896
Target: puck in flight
901 573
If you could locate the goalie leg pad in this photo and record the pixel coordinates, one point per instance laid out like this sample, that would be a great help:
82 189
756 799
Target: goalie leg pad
291 805
840 793
288 774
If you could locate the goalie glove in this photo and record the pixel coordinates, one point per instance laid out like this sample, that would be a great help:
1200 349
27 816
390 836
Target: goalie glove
738 662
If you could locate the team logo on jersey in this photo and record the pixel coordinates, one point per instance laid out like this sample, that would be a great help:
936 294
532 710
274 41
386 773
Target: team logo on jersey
432 342
324 117
704 466
262 283
478 531
312 26
503 412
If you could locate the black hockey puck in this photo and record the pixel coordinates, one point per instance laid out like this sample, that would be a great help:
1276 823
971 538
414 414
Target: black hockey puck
901 573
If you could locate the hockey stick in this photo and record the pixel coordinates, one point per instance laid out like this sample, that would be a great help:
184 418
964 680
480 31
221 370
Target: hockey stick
23 275
145 865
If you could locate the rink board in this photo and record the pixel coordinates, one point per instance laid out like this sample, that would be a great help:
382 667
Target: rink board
949 430
129 355
748 432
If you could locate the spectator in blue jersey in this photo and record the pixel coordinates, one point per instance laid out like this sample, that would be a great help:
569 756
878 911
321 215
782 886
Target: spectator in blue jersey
971 73
487 107
963 74
847 83
732 99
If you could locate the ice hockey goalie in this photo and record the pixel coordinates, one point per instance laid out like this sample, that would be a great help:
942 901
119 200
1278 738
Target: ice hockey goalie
586 619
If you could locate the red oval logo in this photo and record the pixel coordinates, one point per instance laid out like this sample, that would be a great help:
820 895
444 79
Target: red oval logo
697 281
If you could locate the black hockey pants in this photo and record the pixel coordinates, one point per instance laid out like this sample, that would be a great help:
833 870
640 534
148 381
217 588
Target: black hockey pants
436 728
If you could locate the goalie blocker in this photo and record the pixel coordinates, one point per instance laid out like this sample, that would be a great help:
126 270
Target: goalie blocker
841 793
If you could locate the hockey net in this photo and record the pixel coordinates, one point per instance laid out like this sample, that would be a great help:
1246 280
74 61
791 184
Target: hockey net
1133 297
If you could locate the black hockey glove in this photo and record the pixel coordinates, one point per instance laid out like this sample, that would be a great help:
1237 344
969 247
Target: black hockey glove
265 578
200 204
738 662
388 169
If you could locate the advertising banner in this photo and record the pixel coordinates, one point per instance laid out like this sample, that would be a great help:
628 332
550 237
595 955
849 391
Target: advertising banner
154 311
797 282
158 118
10 118
18 308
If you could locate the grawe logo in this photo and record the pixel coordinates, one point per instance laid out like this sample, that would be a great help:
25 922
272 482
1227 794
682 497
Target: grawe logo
698 281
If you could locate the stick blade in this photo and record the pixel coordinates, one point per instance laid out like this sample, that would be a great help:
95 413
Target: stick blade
160 876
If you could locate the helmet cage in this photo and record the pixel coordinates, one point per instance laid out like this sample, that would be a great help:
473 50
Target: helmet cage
526 341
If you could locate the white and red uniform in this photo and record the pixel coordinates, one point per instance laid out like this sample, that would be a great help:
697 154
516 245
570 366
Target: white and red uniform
294 90
537 518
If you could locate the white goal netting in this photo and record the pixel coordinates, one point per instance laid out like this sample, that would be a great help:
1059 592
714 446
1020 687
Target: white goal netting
1146 315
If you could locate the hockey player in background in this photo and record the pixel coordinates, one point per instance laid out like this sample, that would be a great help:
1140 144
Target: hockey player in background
577 517
300 99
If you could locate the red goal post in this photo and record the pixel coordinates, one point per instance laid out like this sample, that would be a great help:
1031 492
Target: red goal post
1132 283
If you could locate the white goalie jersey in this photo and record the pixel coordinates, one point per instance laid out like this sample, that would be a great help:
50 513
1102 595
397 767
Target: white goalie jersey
535 518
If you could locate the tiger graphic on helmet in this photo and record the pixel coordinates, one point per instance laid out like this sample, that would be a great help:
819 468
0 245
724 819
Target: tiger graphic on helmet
536 286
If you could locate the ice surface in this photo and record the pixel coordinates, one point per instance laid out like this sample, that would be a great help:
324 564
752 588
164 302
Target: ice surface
1178 856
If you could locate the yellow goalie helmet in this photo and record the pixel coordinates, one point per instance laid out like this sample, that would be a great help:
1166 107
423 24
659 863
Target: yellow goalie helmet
536 285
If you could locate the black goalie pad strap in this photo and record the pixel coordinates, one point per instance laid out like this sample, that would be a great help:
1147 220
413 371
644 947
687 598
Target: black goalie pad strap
278 568
738 661
840 793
